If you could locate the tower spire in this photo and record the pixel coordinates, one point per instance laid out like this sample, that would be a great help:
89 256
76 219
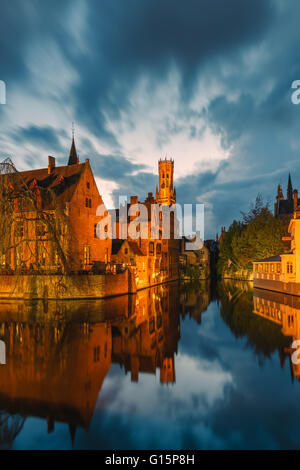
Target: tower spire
290 189
73 158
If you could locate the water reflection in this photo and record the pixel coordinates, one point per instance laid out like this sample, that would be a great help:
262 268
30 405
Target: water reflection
58 354
169 367
282 310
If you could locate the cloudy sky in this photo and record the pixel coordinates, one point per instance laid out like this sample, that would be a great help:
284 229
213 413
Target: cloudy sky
206 82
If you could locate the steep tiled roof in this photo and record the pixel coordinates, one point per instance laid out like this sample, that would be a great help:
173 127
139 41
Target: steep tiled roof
62 180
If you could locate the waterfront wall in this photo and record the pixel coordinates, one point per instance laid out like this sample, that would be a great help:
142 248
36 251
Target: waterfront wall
292 288
76 286
242 275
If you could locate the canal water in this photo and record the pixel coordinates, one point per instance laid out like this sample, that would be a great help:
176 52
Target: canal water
174 367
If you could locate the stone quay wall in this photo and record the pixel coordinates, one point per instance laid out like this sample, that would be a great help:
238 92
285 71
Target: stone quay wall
74 286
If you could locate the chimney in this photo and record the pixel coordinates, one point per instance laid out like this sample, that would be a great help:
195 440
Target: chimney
133 200
51 164
295 194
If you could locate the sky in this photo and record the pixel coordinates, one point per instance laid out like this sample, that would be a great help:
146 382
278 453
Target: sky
205 82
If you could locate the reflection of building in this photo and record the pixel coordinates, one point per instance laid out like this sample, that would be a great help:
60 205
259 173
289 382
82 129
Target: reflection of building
195 302
54 369
198 258
149 340
58 353
284 310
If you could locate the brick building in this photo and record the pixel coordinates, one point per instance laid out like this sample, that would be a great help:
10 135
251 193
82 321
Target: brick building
136 221
65 199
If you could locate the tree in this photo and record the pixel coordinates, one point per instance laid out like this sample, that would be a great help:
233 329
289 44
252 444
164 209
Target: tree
32 219
259 235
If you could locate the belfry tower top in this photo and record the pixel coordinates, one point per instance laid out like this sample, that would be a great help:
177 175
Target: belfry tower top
166 193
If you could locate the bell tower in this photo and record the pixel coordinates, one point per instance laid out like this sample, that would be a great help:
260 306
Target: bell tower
166 193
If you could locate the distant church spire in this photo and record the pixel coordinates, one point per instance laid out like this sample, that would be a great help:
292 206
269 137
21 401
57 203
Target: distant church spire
73 159
290 189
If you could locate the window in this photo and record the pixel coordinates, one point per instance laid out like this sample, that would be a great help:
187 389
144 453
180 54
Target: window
151 248
278 268
289 267
266 268
151 326
96 354
88 202
40 229
19 254
126 251
19 229
158 248
87 255
95 231
88 185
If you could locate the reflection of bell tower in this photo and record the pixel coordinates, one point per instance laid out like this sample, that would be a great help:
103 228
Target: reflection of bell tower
167 371
166 194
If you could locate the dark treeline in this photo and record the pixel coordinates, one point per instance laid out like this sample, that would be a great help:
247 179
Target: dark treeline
258 235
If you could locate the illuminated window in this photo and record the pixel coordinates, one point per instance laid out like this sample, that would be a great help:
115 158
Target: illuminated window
40 229
278 268
19 229
19 254
87 254
96 354
289 267
266 268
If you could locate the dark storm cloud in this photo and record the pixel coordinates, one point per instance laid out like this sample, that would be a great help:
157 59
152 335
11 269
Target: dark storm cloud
111 167
250 46
146 38
46 137
21 25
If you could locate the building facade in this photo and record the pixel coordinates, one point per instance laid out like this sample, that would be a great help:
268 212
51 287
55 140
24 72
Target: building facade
52 226
141 223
